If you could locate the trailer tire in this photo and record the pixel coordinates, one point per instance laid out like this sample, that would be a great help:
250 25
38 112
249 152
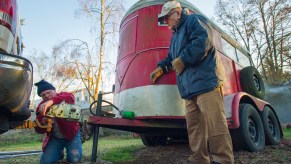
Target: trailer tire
252 82
236 139
271 127
148 140
251 128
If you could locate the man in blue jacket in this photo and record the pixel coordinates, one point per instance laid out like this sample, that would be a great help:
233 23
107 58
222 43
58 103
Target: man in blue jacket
200 77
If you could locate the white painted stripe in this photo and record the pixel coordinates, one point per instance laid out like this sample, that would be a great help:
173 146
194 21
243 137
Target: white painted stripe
6 39
6 18
151 100
156 100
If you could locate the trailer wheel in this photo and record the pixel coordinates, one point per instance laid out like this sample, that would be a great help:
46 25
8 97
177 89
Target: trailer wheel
271 126
153 140
251 129
252 82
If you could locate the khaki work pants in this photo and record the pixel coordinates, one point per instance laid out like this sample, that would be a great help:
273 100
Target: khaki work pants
209 138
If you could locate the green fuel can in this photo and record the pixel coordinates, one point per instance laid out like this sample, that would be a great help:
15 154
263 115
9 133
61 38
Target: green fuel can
128 114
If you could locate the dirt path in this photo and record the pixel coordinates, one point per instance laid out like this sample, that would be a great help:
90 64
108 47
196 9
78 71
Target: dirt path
176 154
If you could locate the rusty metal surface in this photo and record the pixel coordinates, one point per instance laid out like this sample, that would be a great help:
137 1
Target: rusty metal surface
15 82
16 75
150 125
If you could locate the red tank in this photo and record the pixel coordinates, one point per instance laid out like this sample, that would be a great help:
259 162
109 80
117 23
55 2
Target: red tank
143 43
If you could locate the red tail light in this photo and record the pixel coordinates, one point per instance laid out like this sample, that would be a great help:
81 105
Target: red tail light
8 15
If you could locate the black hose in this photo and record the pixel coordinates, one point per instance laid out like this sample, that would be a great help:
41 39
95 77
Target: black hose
94 114
112 105
90 108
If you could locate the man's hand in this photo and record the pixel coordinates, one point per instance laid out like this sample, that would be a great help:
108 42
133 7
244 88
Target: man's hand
178 65
43 107
44 121
156 74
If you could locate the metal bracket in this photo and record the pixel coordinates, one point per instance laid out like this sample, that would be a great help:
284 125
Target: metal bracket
68 111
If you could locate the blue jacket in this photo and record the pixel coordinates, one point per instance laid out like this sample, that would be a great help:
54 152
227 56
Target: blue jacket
193 42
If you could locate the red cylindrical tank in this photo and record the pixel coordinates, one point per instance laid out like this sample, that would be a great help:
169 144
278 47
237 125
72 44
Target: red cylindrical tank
143 43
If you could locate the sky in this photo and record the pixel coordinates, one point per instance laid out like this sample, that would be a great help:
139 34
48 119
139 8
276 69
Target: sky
52 21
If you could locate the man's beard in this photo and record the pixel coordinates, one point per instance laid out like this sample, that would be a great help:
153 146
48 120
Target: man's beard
174 28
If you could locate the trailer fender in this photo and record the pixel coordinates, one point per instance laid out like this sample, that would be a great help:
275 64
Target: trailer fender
231 105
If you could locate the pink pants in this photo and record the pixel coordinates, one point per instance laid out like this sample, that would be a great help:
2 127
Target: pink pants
209 138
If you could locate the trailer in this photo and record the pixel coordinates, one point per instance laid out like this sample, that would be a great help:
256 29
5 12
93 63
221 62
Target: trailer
158 109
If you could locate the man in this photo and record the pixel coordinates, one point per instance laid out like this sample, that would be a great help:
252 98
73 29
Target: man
199 79
64 134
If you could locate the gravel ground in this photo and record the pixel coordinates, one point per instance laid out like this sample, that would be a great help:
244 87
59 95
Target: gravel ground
176 154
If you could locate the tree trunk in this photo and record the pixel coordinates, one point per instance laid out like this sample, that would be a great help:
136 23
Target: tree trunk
101 50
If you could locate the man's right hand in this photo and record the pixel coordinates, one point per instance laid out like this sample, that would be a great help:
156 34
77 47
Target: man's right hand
44 121
156 74
43 107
